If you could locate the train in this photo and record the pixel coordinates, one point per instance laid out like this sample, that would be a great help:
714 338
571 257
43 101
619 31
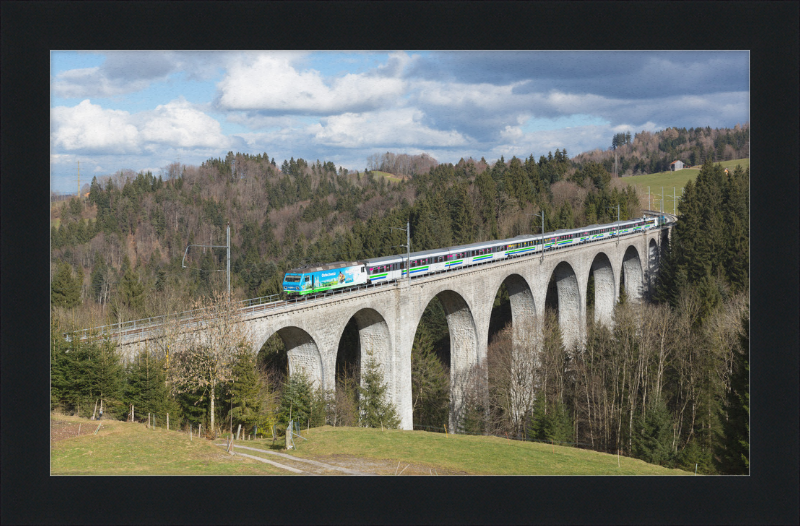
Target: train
346 274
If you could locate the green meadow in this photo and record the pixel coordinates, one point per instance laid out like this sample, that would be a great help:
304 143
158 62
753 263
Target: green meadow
670 180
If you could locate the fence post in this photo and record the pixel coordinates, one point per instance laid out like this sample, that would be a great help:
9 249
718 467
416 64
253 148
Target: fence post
239 430
167 421
148 420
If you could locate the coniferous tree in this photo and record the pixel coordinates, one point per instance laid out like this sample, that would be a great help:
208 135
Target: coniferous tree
487 192
374 409
653 435
463 215
61 366
430 385
296 400
65 290
108 376
131 290
733 443
146 387
247 395
550 421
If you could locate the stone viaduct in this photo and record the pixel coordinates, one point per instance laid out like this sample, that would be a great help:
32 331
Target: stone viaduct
387 316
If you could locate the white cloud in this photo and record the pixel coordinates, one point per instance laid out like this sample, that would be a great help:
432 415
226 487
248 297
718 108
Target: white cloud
89 127
178 124
451 94
270 82
391 127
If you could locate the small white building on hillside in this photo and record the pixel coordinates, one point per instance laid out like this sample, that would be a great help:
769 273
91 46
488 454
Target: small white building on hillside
674 166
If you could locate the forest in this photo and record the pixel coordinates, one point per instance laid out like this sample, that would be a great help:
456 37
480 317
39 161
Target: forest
667 382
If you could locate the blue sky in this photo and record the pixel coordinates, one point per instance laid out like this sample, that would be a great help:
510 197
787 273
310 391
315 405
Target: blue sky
143 110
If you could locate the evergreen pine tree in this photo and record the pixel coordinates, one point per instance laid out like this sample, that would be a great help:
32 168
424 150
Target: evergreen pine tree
65 290
61 373
550 421
132 290
652 437
108 377
247 400
430 382
296 400
375 410
733 443
146 387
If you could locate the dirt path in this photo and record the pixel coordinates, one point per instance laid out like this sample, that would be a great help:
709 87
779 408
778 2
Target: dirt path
308 461
62 429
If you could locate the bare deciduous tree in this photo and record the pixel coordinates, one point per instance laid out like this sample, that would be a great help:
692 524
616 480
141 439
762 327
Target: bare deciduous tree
207 347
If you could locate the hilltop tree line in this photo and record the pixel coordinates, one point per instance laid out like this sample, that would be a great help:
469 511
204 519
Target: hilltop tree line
652 152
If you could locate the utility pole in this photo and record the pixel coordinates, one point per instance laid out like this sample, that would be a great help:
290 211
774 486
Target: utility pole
617 224
408 247
543 240
229 262
226 246
79 179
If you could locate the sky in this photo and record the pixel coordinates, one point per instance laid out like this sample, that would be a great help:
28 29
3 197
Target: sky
142 110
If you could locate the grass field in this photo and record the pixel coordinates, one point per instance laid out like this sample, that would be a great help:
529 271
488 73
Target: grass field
469 455
671 179
122 448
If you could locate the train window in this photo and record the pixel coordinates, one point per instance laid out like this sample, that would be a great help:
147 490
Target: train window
307 279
